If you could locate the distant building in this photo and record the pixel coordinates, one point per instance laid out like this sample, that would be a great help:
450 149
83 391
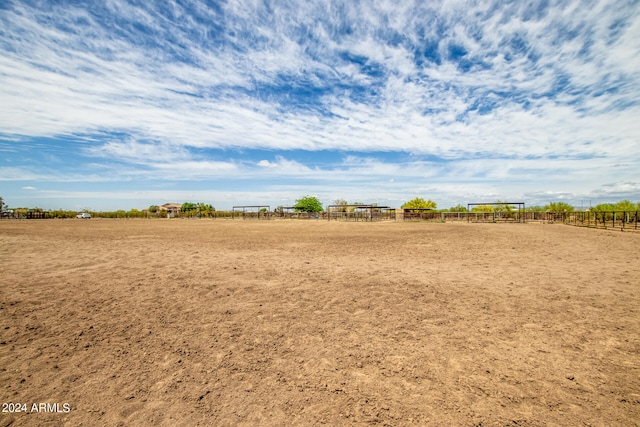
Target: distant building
171 209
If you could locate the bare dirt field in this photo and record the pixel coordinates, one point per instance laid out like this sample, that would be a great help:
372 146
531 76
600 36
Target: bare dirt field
246 323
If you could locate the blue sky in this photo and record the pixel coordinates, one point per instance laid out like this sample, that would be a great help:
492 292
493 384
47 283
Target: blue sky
123 104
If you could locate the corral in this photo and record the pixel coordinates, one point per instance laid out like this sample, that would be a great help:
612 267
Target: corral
249 211
360 212
227 323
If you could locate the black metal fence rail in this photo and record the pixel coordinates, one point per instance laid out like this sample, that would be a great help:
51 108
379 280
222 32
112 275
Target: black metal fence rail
338 216
611 219
513 216
300 215
361 216
624 220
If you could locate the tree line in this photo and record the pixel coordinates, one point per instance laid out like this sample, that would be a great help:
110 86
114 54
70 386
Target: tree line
312 204
499 206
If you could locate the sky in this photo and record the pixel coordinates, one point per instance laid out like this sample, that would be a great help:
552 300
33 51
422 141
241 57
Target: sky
123 104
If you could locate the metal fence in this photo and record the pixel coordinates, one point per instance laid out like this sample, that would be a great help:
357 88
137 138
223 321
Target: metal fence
366 215
624 220
505 216
611 219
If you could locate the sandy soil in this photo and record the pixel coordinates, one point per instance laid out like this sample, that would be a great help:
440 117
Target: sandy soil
245 323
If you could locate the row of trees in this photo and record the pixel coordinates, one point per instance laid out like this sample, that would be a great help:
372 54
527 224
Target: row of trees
623 205
188 209
312 204
203 209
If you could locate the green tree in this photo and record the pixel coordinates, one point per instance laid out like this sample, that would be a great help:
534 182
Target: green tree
482 208
134 213
604 207
419 203
625 205
458 208
559 207
188 206
205 209
308 204
502 208
153 209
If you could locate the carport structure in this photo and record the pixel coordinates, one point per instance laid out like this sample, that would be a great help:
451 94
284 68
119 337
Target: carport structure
254 211
360 212
502 215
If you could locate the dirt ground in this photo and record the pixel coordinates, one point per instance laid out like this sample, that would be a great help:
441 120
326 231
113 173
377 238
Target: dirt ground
279 323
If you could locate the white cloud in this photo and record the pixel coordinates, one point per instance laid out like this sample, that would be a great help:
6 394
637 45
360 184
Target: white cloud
138 152
74 90
266 164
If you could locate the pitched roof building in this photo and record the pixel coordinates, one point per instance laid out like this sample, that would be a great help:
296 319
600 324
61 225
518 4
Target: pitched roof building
170 207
